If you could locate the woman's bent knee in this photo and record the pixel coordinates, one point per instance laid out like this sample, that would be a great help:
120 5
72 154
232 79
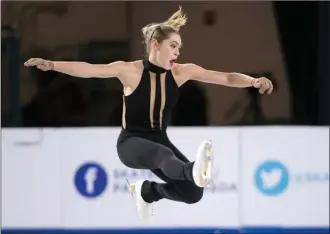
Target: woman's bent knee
194 195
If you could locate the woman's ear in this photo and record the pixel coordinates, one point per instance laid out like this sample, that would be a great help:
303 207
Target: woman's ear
154 44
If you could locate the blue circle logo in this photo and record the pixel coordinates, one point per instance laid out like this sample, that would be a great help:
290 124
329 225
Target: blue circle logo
272 178
91 180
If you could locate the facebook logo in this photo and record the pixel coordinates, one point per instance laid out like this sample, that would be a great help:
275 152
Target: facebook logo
91 180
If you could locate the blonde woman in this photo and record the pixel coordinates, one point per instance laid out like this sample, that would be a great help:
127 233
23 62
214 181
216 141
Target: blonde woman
150 91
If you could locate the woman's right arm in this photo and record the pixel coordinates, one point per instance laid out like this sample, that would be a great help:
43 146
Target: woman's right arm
79 69
87 70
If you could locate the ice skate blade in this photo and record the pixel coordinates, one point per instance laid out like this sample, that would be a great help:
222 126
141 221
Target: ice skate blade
208 148
130 187
209 183
208 165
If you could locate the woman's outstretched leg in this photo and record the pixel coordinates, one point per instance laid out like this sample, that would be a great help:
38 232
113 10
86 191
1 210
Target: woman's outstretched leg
140 153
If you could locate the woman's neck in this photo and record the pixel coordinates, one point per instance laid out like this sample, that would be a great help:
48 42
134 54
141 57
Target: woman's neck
153 60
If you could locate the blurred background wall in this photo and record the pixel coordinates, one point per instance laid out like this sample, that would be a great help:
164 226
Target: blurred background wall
55 126
273 39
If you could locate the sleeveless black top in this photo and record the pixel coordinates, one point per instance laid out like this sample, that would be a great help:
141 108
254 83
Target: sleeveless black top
148 108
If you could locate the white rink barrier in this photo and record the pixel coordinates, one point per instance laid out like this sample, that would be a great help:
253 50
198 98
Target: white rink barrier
72 179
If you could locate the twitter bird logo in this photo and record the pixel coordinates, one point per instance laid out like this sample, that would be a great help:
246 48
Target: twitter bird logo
272 178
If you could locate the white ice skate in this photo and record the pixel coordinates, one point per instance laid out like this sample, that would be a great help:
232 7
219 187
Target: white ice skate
202 170
144 209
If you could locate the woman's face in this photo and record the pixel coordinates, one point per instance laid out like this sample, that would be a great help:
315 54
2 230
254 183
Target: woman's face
167 51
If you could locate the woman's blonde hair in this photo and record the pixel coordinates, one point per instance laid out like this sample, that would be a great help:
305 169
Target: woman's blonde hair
161 31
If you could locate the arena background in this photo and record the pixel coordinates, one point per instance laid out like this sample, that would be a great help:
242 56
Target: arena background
272 166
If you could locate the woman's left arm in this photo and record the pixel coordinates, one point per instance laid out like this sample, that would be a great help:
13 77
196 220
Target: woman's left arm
231 79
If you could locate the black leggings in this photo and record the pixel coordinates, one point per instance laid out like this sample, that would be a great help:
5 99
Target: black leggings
155 152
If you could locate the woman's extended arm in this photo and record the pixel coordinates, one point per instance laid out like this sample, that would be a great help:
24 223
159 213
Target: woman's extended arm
78 69
231 79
